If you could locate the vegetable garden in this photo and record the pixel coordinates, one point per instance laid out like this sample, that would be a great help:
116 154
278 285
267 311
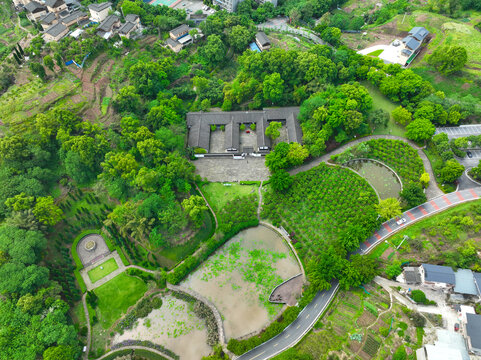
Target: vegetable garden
396 154
317 206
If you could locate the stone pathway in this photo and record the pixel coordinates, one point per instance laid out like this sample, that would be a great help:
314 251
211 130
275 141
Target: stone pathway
88 282
431 192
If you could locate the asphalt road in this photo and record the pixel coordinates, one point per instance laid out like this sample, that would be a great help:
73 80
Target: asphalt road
460 131
296 331
311 313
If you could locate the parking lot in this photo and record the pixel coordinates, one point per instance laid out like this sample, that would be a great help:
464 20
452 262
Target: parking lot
192 6
460 131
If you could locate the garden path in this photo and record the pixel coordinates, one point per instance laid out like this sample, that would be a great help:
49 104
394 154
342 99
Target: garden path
432 190
135 347
84 272
208 205
259 206
140 268
218 317
87 318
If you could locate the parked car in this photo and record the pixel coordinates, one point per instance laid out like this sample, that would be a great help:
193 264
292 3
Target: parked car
401 221
469 153
456 327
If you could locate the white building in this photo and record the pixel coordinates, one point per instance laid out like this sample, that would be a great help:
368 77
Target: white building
98 12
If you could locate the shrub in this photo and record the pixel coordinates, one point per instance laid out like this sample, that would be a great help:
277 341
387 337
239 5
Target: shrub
384 331
213 127
419 296
242 127
200 151
253 127
418 320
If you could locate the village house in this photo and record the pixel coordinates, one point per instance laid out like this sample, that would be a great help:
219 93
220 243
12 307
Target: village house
263 41
48 20
108 26
74 18
179 38
179 32
99 12
473 332
56 6
132 23
55 32
438 277
35 10
175 46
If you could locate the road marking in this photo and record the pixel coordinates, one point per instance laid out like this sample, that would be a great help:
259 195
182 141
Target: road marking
276 344
473 193
411 215
423 210
307 316
288 335
435 206
258 355
298 326
460 196
316 304
446 200
387 227
377 235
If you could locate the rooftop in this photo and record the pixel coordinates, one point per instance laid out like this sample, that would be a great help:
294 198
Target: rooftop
54 3
48 18
411 43
419 33
179 30
126 28
477 282
131 17
108 23
56 30
172 43
34 6
74 16
465 282
412 275
262 38
473 330
437 273
100 6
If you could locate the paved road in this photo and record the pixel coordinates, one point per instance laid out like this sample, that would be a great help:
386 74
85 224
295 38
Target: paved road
296 331
460 131
308 317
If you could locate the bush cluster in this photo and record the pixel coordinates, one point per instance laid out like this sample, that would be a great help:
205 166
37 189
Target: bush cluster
141 310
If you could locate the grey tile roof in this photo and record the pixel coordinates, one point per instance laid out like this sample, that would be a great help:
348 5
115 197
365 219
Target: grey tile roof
179 30
126 28
56 29
419 33
412 275
74 17
54 3
48 18
100 6
473 330
172 43
465 282
34 6
199 125
131 17
262 38
437 273
108 23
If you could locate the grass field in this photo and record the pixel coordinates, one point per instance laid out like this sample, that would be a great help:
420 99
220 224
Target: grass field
376 53
379 101
103 270
218 194
116 296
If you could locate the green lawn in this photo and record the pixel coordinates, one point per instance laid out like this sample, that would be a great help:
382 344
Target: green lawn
376 53
218 195
103 270
379 101
116 296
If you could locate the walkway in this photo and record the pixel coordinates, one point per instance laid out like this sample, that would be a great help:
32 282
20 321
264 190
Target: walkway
87 318
280 24
136 347
84 272
208 205
431 192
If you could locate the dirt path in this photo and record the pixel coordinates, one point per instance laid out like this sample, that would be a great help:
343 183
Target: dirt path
432 190
135 347
208 205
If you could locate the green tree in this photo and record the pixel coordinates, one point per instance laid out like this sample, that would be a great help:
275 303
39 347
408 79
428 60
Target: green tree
120 164
128 100
451 171
413 195
46 211
273 87
48 62
149 78
400 353
297 154
419 296
38 69
281 180
20 202
239 37
61 352
448 59
389 208
420 130
332 35
277 159
273 130
214 50
401 115
195 207
379 117
393 270
359 270
425 179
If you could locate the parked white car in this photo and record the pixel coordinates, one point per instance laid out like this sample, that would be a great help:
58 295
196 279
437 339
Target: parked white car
401 221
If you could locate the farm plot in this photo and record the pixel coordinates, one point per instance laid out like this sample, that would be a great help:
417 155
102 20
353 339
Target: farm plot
396 154
173 326
240 276
318 205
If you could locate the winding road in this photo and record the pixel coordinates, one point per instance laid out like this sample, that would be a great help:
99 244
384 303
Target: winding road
312 312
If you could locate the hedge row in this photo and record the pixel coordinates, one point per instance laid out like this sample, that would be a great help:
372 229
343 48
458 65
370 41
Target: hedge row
191 262
242 182
239 347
